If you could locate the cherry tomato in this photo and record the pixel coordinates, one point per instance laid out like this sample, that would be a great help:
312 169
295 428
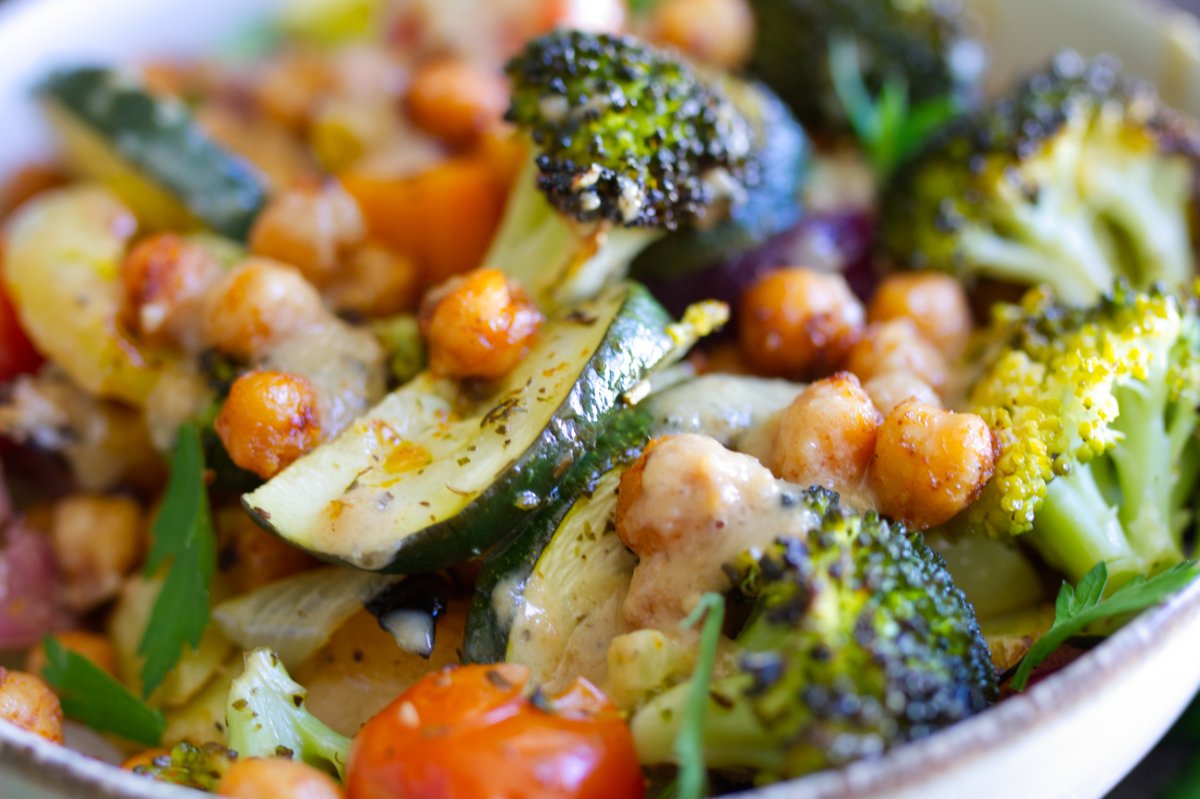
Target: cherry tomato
475 732
17 355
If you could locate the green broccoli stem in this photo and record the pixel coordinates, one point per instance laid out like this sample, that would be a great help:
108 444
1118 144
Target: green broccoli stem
1051 242
1145 462
1149 204
734 737
1076 527
266 716
557 261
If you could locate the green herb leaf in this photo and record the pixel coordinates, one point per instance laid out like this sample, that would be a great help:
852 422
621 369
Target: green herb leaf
887 127
1077 608
90 695
183 535
689 741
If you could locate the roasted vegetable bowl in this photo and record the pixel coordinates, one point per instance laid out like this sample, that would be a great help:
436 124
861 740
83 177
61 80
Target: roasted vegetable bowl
540 399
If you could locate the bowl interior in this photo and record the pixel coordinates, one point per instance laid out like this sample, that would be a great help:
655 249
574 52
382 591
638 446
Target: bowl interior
1162 45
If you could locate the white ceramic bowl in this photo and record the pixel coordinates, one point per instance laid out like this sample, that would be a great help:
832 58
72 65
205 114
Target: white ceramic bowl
1071 737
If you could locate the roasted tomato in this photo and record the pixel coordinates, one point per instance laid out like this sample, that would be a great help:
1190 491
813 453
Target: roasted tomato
17 355
478 732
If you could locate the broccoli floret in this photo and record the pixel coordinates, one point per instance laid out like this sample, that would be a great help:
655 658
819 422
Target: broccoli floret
857 640
199 767
629 143
925 43
1078 178
1094 409
266 717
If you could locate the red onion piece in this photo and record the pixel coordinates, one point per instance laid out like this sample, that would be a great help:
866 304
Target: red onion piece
29 588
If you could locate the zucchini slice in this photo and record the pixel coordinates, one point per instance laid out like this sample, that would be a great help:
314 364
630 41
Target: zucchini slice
440 471
725 407
152 153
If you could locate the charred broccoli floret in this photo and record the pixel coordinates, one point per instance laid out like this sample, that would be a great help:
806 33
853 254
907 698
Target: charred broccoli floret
857 640
199 767
266 716
1094 409
1078 178
628 143
925 43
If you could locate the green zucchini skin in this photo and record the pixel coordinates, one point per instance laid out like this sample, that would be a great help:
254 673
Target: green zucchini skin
770 207
720 406
633 342
159 138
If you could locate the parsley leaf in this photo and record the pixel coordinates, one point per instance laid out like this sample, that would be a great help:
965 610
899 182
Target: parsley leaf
886 126
689 741
90 695
1083 605
183 534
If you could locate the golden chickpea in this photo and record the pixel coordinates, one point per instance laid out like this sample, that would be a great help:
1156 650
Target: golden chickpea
97 541
892 388
930 463
455 100
256 304
29 703
268 420
165 278
798 322
826 436
93 646
277 778
897 346
478 325
310 227
718 32
379 282
287 87
936 304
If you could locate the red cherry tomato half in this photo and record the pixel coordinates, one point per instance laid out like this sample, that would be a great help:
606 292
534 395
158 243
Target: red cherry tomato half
475 732
17 355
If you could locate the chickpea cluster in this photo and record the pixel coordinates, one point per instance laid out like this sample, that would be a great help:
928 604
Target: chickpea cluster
876 431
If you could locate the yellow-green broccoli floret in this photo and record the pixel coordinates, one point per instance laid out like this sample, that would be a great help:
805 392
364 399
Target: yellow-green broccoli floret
1094 412
1078 178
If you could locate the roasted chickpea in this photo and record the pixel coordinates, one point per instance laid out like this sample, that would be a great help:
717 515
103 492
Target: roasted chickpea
93 646
455 100
310 227
277 778
29 703
479 325
256 304
897 346
930 463
827 435
97 541
798 322
892 388
936 304
165 279
287 87
718 32
378 282
268 420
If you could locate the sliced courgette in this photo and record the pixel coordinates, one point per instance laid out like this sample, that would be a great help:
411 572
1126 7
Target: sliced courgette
439 472
724 407
152 153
